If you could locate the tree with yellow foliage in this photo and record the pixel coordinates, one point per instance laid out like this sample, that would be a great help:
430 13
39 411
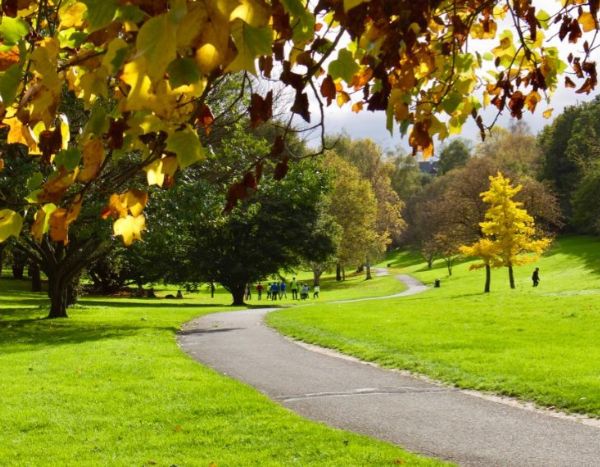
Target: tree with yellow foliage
487 250
510 237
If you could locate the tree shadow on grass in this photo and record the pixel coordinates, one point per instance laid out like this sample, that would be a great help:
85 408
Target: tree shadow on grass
146 303
21 335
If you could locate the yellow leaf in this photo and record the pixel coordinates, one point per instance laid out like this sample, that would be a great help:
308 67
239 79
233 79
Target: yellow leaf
251 12
192 25
341 98
135 200
41 221
156 172
586 19
548 113
20 133
156 43
140 97
93 157
130 228
11 224
72 15
349 4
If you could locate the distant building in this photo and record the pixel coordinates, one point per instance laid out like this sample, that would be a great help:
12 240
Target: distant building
428 166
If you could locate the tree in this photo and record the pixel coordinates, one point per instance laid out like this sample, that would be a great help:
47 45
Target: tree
143 72
353 206
487 250
455 154
367 157
570 151
514 149
509 227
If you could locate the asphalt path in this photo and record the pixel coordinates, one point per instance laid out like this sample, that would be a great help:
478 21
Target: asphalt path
422 416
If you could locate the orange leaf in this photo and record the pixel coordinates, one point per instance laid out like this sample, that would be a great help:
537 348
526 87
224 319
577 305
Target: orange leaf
59 226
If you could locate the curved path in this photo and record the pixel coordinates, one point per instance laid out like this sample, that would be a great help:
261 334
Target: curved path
432 419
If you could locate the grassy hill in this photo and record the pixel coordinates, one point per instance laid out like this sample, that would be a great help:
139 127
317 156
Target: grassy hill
540 344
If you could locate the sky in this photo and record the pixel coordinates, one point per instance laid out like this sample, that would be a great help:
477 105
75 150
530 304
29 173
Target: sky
373 125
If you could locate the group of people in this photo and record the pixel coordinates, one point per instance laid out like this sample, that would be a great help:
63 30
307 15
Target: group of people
277 290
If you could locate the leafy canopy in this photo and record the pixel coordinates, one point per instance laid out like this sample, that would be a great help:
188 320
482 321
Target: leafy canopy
143 70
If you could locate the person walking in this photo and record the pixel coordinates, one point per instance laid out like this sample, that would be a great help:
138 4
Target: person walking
316 290
294 289
248 292
535 277
259 290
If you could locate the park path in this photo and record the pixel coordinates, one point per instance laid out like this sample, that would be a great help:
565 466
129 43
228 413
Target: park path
422 416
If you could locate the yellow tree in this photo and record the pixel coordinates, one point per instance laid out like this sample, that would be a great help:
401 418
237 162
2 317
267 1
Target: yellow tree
509 227
488 251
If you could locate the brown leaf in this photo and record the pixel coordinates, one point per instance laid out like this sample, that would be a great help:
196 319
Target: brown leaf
249 181
50 142
328 89
115 133
265 64
261 109
278 147
205 118
569 82
300 106
281 169
516 103
9 8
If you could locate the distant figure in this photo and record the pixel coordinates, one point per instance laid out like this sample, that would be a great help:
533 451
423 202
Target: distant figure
269 288
294 289
304 292
274 290
535 277
179 294
316 290
259 289
282 288
248 292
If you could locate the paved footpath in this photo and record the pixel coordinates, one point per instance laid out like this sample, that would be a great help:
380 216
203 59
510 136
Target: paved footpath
428 418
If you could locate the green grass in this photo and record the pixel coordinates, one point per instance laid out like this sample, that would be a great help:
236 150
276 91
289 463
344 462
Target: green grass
109 386
539 344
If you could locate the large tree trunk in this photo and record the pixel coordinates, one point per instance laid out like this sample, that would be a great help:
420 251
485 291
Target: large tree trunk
488 278
317 277
57 291
237 292
338 272
18 265
343 273
368 266
511 276
36 279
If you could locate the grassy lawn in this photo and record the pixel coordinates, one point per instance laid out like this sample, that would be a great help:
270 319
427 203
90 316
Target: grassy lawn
109 386
540 344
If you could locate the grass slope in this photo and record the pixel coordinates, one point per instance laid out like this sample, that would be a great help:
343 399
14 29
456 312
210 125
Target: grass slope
109 386
540 344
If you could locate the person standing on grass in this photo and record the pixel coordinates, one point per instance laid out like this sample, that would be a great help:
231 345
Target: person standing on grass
535 277
274 290
294 289
316 290
282 288
248 294
259 289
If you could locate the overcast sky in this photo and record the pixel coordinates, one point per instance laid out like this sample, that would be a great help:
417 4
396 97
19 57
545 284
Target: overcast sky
372 124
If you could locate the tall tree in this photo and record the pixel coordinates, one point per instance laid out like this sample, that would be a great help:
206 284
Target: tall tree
454 154
510 228
353 206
